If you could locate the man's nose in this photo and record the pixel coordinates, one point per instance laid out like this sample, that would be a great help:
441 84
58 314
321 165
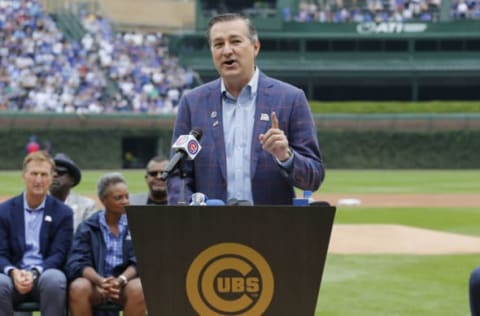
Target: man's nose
227 49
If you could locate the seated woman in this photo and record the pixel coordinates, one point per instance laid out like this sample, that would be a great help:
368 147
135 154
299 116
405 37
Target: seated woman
102 263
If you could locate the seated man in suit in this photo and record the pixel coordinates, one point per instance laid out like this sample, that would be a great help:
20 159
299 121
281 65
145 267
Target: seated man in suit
35 236
102 264
66 176
157 188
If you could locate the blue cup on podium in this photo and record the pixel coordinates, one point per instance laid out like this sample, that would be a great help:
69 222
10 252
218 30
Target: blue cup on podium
301 202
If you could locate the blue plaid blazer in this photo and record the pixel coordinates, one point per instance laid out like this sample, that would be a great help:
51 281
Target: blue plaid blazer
271 184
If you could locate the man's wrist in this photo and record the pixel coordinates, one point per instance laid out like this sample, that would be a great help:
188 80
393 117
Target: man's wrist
288 156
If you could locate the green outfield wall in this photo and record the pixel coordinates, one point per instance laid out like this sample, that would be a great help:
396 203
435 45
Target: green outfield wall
347 141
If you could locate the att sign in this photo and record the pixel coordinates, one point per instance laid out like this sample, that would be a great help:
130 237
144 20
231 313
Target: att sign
390 27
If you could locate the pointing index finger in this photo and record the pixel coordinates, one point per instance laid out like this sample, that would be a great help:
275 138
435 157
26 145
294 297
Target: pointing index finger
274 120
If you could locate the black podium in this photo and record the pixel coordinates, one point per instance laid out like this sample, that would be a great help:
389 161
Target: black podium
231 260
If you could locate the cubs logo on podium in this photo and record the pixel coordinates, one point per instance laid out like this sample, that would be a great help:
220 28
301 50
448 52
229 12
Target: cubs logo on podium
229 279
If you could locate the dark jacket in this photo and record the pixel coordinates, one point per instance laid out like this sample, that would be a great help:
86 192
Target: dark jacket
89 250
55 234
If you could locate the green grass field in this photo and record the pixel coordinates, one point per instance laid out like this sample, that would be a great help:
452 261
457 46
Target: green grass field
400 284
368 107
336 181
376 285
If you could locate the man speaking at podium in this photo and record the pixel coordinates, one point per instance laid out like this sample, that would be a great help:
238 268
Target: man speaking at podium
259 138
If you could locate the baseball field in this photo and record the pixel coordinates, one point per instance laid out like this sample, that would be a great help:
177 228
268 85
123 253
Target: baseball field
403 243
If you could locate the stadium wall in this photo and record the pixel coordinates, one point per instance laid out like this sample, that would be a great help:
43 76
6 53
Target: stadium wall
142 15
407 61
122 141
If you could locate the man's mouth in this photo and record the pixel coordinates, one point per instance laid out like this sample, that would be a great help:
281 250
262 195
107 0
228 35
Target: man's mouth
229 62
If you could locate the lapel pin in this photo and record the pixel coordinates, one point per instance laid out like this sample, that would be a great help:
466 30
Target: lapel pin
215 123
48 218
213 114
264 117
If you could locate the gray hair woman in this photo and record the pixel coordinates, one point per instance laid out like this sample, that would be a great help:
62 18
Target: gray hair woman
102 263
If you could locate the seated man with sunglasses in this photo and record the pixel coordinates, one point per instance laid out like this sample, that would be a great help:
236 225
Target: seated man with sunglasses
67 175
157 188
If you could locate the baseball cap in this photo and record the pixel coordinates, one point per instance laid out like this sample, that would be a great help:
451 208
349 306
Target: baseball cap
64 163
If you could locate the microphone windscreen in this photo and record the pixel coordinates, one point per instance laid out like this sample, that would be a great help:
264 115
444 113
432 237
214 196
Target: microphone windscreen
198 198
215 202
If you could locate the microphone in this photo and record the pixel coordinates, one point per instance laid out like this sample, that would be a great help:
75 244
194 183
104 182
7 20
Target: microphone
199 199
186 146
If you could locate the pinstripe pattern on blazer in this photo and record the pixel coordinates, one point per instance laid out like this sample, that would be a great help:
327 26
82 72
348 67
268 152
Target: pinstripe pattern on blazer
271 184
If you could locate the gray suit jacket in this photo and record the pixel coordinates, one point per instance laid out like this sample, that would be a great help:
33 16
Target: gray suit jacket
82 207
138 199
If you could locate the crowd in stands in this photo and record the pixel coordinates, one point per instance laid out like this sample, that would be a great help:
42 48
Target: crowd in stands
465 10
42 71
360 11
356 11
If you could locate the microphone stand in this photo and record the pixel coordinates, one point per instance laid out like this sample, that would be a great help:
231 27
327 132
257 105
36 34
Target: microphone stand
183 175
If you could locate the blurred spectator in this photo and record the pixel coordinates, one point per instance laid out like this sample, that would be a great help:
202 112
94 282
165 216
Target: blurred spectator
157 188
32 145
67 175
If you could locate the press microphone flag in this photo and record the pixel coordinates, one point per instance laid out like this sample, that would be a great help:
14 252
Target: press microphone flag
186 146
189 144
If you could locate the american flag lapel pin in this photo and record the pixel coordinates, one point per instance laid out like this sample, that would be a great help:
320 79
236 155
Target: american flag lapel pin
264 117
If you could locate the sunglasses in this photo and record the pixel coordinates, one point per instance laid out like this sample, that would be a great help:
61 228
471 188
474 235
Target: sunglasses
154 173
60 172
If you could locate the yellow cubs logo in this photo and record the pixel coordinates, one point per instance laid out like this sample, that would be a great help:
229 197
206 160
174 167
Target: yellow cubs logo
229 279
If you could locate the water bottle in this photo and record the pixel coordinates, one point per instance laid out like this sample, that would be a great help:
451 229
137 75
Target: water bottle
309 196
305 200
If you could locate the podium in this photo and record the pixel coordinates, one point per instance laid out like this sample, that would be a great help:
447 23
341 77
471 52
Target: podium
231 260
